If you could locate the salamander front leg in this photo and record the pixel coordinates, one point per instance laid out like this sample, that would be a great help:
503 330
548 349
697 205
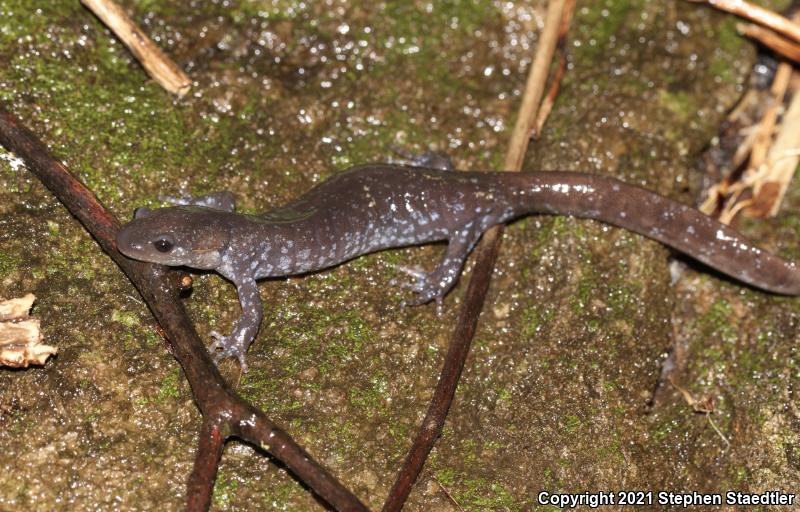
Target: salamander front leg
434 285
428 159
222 201
246 328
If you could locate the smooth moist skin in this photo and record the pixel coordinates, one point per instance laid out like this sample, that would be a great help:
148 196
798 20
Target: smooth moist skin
374 207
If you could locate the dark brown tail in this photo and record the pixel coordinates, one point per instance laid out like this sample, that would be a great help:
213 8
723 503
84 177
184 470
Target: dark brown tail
681 227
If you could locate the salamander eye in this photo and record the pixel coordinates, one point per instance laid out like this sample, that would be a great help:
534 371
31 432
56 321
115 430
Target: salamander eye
163 245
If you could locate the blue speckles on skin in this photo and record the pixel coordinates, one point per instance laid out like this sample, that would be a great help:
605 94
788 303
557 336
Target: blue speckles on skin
375 207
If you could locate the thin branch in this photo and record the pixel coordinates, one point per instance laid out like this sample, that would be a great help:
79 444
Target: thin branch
550 99
770 150
451 371
160 67
206 462
558 75
534 88
754 13
486 254
450 497
224 413
772 40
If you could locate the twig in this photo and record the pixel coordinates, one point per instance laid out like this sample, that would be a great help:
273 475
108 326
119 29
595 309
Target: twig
555 84
450 497
769 38
225 415
718 431
534 88
781 163
769 121
206 461
486 254
160 67
757 14
550 99
451 371
705 407
771 153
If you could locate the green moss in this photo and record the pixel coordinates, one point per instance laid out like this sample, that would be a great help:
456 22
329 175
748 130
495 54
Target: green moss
571 424
598 22
718 322
170 387
662 431
412 37
422 30
625 294
742 475
476 493
320 339
20 423
23 21
372 399
505 395
23 494
532 320
273 10
611 451
225 489
256 384
682 104
400 433
727 36
335 336
130 141
280 492
152 339
8 263
142 127
126 129
585 292
126 318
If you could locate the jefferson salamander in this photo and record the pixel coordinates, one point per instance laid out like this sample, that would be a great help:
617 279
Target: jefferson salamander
373 207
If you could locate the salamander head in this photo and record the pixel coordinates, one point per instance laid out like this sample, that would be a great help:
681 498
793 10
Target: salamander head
189 236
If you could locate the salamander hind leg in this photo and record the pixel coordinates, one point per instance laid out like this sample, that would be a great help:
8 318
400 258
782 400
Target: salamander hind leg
228 346
434 285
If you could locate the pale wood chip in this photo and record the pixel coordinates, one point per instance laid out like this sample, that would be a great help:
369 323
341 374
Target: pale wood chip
15 309
20 336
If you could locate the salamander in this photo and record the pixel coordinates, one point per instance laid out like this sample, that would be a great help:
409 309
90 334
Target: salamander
379 206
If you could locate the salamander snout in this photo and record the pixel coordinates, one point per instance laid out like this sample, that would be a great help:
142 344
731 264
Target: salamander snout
134 241
126 243
177 236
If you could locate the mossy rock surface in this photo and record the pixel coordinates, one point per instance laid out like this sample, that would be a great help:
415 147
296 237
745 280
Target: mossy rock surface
578 318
